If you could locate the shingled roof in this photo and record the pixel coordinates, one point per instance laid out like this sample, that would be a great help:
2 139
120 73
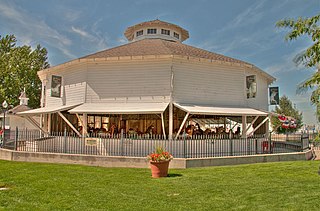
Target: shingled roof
160 47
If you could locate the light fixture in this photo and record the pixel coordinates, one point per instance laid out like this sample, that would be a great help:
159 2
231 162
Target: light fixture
5 104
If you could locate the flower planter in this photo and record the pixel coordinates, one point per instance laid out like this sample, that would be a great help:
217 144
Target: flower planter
159 169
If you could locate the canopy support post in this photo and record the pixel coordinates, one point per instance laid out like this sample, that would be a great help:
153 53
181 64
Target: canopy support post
255 119
84 132
182 124
85 124
49 123
266 119
69 123
163 129
35 123
170 120
244 126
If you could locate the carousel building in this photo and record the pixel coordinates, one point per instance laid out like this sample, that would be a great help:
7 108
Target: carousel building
153 84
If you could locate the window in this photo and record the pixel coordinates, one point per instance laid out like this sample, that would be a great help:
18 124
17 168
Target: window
97 122
105 122
165 31
139 33
152 31
176 35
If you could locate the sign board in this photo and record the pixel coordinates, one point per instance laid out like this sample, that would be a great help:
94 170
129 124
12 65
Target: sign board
91 142
56 86
251 84
274 95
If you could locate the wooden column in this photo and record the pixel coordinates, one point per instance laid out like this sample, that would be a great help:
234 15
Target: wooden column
244 126
49 123
85 124
163 128
170 120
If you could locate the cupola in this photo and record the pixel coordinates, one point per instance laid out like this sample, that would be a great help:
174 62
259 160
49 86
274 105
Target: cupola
23 97
156 29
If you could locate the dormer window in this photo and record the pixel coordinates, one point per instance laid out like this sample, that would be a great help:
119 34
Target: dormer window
176 35
139 33
152 31
165 31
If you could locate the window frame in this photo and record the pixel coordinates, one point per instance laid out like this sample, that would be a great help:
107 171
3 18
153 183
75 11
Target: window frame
165 32
176 35
139 33
152 31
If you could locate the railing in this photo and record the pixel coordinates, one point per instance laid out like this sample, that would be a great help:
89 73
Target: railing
141 146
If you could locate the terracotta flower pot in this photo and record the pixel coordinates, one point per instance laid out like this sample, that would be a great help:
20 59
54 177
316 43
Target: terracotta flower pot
159 169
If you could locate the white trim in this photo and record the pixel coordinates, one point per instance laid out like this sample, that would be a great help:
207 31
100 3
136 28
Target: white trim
223 111
120 108
46 110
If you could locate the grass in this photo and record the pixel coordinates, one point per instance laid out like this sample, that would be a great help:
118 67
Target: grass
266 186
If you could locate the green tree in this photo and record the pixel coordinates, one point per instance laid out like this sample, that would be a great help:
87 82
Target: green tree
310 57
18 69
285 108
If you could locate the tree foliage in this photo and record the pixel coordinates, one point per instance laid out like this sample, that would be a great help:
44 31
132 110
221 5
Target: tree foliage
309 27
311 56
18 70
285 108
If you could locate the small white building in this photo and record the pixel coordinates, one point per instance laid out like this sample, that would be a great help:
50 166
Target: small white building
154 81
13 121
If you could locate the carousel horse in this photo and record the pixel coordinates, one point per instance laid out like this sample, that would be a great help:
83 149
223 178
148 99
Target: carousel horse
190 130
207 132
151 130
198 130
113 130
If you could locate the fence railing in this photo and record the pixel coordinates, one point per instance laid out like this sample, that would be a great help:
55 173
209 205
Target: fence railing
141 146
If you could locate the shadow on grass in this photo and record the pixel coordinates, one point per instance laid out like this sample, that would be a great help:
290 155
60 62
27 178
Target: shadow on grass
174 175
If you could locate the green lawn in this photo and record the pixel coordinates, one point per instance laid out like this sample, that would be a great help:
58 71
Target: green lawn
267 186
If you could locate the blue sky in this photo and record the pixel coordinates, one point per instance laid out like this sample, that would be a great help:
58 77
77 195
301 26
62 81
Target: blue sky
241 29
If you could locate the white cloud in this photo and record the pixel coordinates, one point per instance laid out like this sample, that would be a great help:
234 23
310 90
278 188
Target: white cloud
80 32
122 40
287 64
29 28
251 15
93 36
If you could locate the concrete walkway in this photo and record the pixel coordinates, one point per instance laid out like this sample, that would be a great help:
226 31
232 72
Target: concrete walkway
316 152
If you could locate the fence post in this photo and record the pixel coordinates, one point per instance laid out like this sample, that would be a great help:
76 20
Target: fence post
256 145
270 144
16 139
302 141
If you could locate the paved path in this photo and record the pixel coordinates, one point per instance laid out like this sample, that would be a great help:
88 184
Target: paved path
317 152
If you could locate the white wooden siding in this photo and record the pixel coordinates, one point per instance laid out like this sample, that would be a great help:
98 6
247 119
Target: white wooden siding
148 80
73 85
128 80
208 83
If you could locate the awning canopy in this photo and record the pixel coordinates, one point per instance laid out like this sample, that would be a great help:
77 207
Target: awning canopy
223 111
47 110
120 108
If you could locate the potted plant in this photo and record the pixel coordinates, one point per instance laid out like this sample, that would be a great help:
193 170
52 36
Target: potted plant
159 162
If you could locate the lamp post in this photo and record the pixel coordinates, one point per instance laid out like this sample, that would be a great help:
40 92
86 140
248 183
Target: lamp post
4 106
